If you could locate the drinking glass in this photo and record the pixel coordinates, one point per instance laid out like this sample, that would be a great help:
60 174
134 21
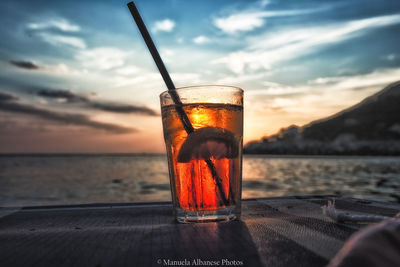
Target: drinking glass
205 155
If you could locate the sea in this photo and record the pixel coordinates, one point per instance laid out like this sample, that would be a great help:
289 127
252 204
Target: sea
33 180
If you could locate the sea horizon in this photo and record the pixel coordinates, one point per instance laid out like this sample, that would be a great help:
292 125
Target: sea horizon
62 179
47 154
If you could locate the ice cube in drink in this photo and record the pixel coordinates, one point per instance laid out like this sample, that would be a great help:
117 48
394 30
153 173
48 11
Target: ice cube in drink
217 139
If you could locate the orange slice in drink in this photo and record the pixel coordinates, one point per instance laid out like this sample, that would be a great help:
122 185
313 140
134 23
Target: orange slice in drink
208 142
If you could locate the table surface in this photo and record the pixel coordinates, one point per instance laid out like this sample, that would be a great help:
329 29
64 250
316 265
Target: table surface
287 231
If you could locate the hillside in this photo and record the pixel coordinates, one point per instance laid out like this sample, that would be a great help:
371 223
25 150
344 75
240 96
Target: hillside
371 127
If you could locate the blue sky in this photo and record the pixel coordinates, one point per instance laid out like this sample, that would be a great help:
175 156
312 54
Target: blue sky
77 77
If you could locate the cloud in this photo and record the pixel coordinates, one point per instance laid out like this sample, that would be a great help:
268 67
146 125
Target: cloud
62 94
8 103
186 77
324 93
265 50
201 39
377 79
57 31
165 25
56 40
275 90
103 58
6 97
60 68
249 20
56 23
120 108
240 22
239 79
391 57
69 97
264 3
28 65
128 70
148 79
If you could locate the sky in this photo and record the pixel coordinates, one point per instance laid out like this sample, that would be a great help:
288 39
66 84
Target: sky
76 76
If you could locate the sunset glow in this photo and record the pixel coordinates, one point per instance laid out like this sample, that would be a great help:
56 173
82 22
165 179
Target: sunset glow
76 76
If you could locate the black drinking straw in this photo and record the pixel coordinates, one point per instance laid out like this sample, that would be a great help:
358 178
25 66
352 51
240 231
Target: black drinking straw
172 90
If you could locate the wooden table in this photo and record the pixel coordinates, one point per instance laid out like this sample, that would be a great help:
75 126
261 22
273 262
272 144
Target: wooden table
288 231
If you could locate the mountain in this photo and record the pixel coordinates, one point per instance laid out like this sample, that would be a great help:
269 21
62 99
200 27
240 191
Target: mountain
371 127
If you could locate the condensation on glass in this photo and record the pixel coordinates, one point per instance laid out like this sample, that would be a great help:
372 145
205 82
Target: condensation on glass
205 165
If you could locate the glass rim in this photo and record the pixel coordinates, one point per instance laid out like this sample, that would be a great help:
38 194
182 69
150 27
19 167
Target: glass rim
206 86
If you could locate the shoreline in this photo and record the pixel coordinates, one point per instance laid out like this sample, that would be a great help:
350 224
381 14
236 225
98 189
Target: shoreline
66 155
3 155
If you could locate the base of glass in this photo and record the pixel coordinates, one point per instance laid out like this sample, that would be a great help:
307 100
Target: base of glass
226 214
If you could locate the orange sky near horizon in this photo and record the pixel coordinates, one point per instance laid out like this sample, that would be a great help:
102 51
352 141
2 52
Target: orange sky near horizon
258 122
